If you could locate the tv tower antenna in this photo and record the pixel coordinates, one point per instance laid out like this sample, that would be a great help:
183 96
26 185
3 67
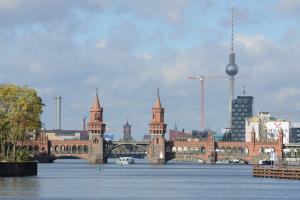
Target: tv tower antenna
231 69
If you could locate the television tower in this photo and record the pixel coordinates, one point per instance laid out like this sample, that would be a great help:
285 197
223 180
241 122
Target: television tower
231 70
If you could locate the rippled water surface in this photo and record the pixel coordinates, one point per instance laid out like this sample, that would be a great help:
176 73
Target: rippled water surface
76 179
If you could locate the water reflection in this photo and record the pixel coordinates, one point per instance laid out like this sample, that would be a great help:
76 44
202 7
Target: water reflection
71 179
19 187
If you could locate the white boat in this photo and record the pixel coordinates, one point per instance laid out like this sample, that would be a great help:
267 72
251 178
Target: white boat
201 161
125 161
222 162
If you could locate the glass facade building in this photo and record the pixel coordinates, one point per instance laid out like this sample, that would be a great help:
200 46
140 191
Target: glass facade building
241 109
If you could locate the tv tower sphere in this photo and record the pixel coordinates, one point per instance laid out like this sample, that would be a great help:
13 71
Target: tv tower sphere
231 68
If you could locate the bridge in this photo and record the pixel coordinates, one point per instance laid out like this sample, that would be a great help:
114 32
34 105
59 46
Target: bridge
158 150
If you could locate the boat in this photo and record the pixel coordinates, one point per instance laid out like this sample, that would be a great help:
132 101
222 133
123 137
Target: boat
125 160
201 161
222 162
265 162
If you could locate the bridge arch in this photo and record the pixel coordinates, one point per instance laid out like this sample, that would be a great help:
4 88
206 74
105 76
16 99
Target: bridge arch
144 149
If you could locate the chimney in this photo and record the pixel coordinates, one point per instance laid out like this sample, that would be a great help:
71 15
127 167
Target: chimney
57 116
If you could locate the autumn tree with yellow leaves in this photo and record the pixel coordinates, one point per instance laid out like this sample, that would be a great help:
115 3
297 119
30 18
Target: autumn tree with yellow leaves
20 115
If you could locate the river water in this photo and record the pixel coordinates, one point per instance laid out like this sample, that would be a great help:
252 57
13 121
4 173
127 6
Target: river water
76 179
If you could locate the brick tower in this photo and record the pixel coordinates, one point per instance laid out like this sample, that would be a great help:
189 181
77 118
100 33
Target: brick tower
96 128
127 132
157 129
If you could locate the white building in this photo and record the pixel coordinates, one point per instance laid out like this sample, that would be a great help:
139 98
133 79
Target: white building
267 127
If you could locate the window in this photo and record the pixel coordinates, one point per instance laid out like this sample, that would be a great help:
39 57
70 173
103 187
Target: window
157 140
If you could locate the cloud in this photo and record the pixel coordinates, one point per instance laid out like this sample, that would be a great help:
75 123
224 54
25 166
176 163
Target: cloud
101 44
290 6
135 49
288 92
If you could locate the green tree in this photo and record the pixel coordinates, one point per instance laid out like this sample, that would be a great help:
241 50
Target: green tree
20 113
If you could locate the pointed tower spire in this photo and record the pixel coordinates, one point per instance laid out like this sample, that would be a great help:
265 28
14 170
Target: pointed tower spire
157 103
96 104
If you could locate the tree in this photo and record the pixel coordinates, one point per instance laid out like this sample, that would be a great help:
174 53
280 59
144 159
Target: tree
20 113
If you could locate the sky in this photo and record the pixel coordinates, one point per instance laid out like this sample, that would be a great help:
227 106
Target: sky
128 48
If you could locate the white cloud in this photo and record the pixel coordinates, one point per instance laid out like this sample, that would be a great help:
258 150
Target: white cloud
101 44
289 5
128 68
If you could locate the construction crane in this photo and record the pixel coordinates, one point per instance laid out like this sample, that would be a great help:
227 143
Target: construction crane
202 80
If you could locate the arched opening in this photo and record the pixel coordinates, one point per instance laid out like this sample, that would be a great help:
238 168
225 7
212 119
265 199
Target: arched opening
56 149
261 150
62 149
74 149
80 149
157 140
234 151
95 141
179 149
223 151
85 149
240 151
228 151
36 148
217 150
96 117
174 149
69 149
185 150
202 150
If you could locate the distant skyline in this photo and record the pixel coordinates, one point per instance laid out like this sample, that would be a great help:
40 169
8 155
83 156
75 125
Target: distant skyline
128 48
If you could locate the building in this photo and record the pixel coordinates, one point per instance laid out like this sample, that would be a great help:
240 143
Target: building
127 132
200 134
295 133
67 134
241 110
267 128
175 134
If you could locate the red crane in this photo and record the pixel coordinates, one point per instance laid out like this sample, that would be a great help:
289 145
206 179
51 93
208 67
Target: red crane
202 99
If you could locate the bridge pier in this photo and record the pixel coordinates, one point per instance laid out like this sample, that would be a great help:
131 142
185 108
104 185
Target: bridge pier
157 129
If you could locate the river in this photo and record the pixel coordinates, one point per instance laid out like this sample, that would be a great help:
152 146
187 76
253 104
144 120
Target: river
76 179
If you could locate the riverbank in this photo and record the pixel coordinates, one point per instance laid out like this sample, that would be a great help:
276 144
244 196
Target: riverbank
9 169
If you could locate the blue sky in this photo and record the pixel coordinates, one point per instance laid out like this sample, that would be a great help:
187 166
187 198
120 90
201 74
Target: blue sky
129 48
